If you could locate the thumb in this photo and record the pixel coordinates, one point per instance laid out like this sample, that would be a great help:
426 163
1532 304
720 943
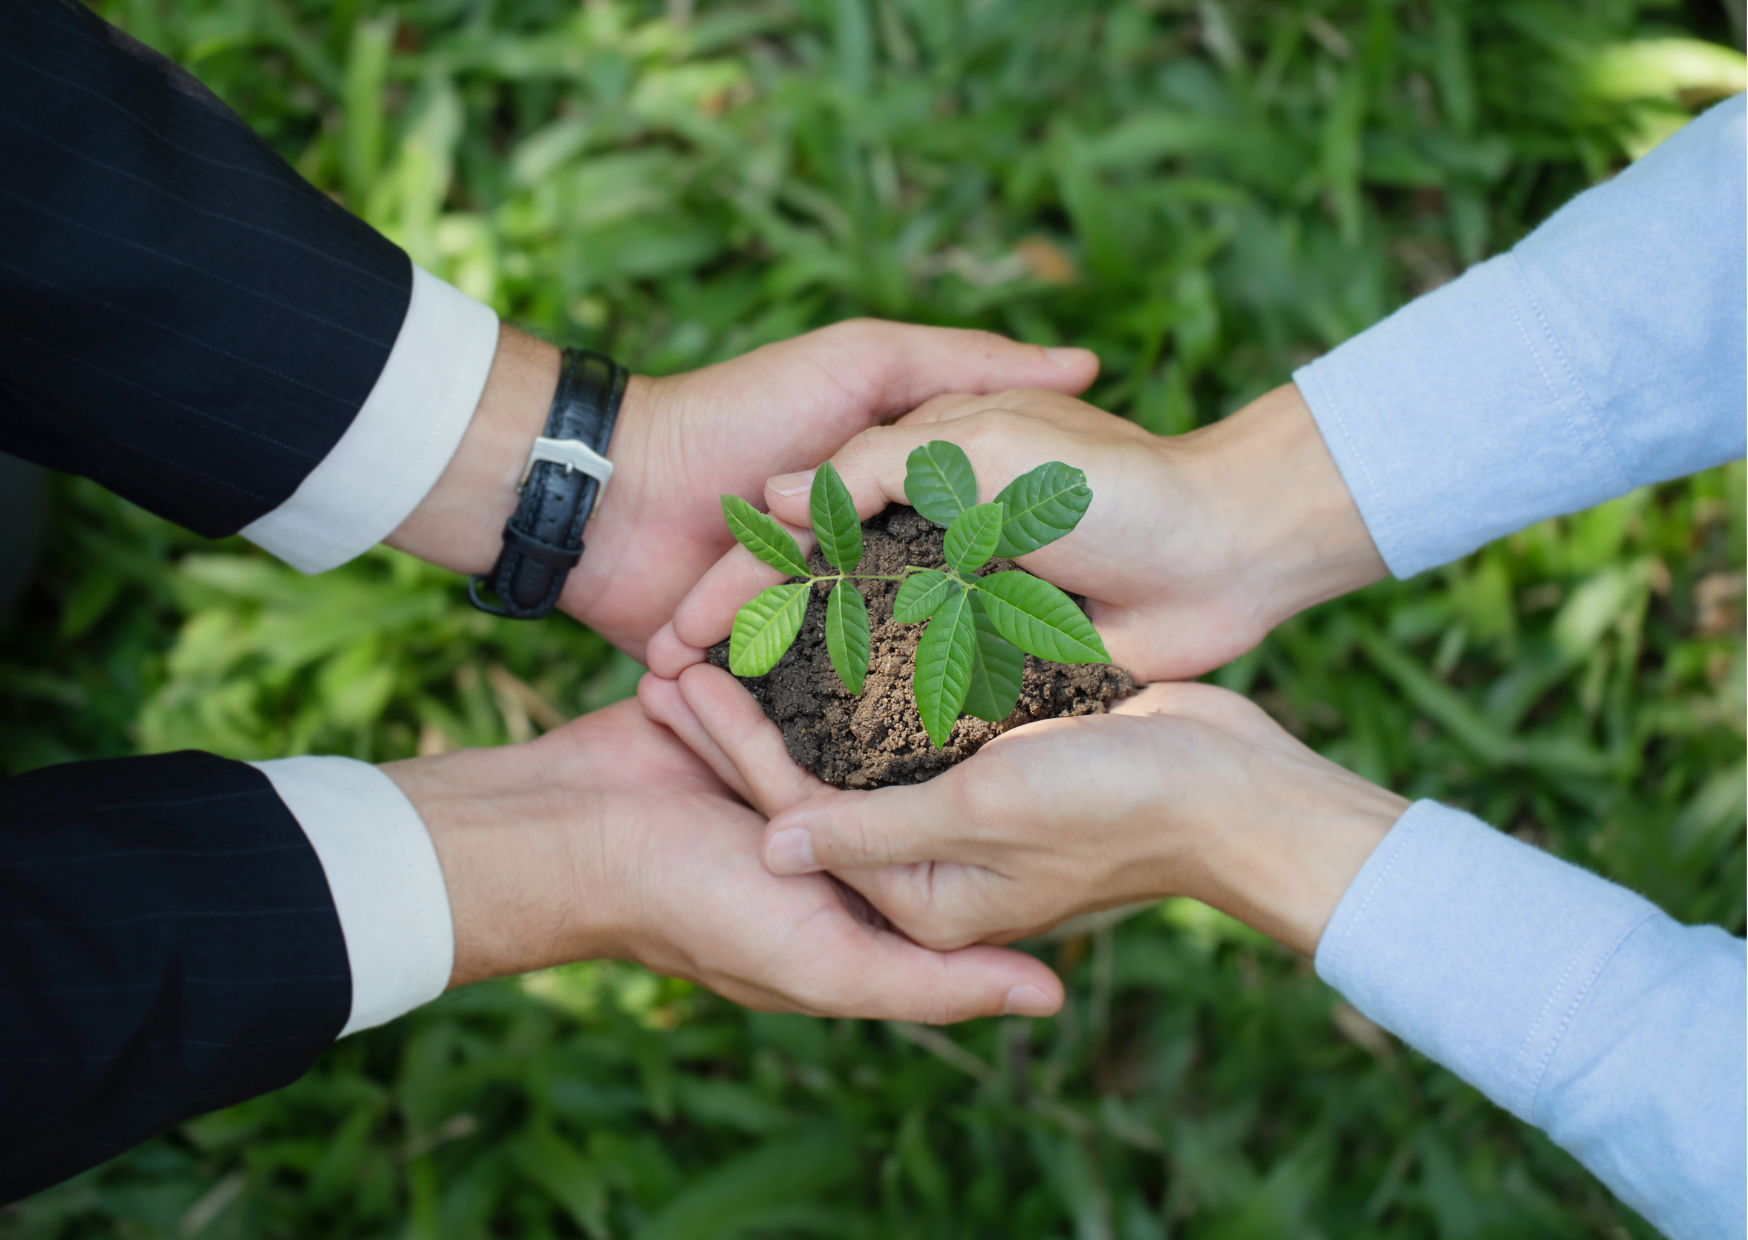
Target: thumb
864 831
1000 442
900 981
706 615
874 464
894 367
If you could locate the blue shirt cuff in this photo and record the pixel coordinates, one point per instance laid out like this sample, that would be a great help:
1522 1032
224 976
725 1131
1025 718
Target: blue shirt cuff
1572 1002
1605 352
1455 421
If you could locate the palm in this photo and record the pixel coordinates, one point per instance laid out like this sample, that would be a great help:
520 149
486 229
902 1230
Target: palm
766 942
1051 820
681 860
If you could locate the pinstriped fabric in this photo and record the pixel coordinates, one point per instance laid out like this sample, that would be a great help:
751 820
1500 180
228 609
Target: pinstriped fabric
168 945
182 317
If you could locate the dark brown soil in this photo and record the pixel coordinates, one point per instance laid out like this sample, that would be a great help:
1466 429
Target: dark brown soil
878 738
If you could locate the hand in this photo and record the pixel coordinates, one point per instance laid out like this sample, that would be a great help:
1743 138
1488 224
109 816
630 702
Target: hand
1193 549
1184 789
683 441
608 838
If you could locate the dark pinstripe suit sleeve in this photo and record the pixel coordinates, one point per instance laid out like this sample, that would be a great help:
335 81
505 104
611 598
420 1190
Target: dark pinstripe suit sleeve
182 317
188 322
169 946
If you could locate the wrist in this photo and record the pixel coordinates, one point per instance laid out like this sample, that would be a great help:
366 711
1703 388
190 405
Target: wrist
1297 536
614 528
1284 868
519 859
459 524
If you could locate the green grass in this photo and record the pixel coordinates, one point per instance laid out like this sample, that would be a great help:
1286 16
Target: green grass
1207 193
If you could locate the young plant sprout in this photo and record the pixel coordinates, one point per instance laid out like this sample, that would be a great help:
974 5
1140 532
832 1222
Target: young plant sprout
970 657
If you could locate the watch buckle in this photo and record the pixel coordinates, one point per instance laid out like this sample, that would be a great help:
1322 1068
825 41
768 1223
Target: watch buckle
572 454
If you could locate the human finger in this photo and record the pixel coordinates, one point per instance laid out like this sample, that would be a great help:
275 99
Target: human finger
1054 408
667 656
890 978
869 830
747 740
1000 443
1210 705
662 702
890 368
706 615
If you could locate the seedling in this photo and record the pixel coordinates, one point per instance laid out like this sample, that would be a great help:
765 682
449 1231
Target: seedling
970 657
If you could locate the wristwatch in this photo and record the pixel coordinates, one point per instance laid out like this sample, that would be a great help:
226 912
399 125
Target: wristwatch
562 483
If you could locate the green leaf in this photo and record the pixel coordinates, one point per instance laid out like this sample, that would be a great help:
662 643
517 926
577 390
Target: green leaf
759 533
760 1191
765 627
938 481
943 667
1042 506
997 666
846 634
835 522
1040 619
921 594
572 1180
972 537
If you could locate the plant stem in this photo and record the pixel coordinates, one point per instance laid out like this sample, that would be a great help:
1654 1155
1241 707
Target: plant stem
908 570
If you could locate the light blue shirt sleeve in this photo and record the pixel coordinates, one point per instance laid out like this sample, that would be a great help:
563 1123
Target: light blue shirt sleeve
1571 1002
1604 352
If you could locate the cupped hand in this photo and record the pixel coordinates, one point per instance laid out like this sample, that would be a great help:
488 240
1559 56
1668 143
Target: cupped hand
1184 789
1194 547
684 441
609 838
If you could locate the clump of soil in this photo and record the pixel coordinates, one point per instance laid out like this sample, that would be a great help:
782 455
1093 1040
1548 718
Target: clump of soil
877 738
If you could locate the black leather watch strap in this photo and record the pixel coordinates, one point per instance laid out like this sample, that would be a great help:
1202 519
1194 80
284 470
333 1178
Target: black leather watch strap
567 469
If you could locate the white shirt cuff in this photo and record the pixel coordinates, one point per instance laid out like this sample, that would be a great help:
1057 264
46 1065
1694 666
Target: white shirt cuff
400 442
384 876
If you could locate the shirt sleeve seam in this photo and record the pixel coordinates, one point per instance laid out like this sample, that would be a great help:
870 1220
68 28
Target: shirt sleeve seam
1581 417
1538 1070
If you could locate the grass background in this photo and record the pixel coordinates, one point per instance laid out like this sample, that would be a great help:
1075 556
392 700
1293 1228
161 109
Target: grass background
1207 192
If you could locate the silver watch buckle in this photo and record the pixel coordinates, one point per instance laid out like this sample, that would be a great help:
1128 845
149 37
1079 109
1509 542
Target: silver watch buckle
572 454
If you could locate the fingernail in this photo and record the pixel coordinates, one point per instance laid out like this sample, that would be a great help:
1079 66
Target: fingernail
790 484
1027 1001
790 851
1068 359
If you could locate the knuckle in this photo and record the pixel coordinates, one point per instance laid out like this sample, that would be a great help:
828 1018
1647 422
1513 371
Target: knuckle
974 803
938 1011
939 925
987 343
870 447
850 839
945 407
1029 398
980 436
856 332
992 429
939 934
